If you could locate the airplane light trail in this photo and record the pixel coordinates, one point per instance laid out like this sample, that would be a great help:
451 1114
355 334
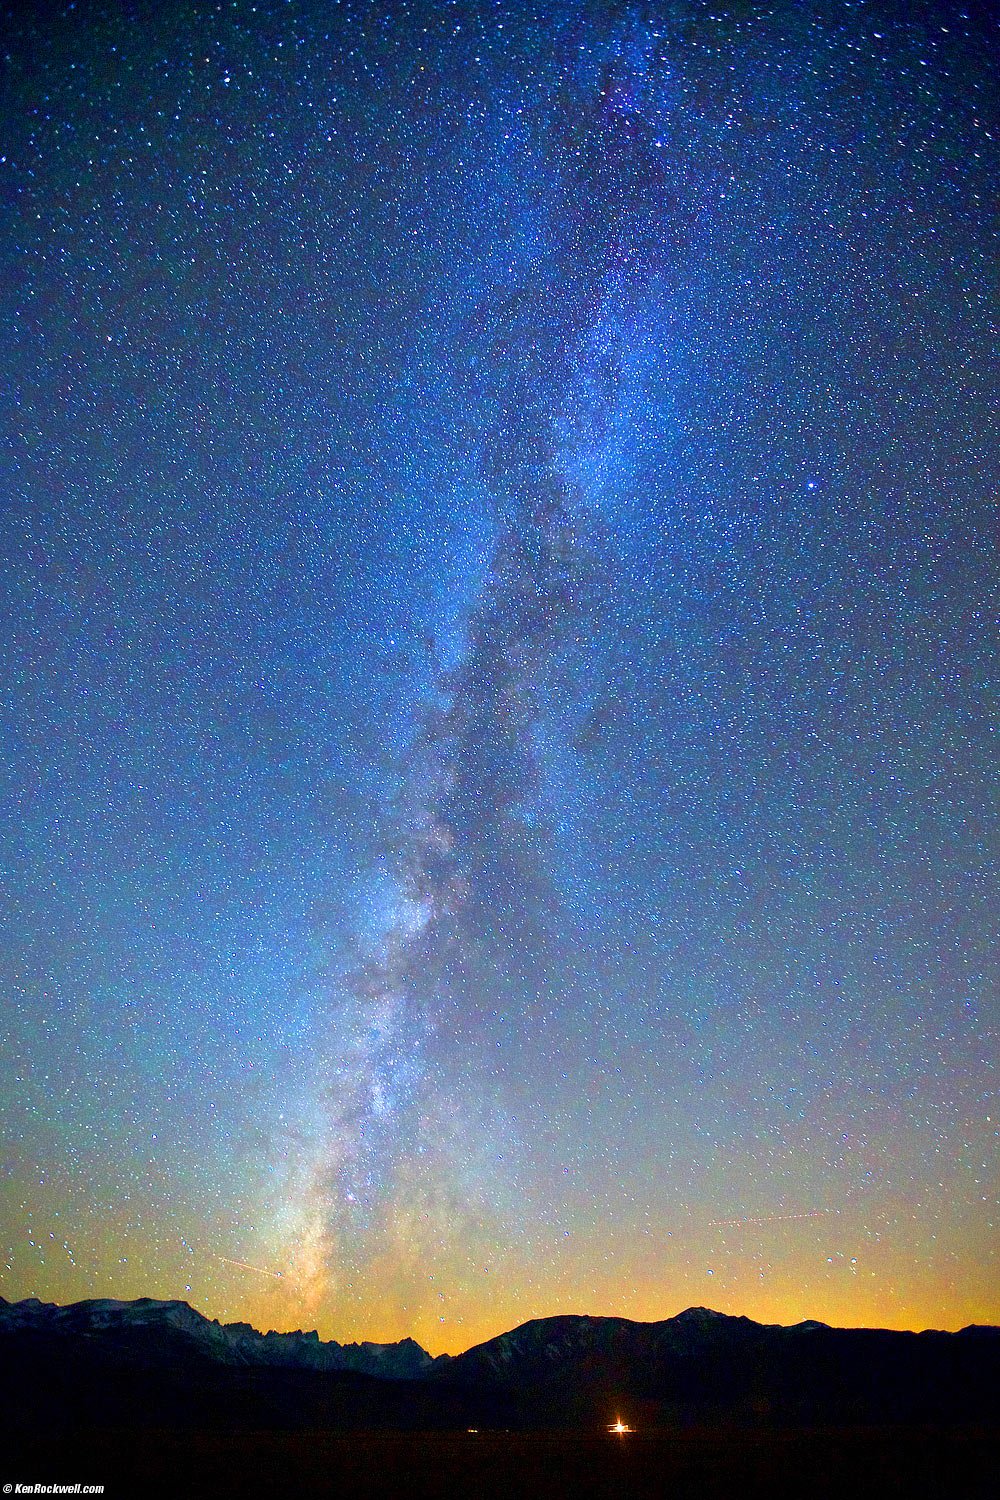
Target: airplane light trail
816 1213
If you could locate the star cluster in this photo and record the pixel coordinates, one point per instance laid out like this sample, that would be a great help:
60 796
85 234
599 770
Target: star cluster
498 558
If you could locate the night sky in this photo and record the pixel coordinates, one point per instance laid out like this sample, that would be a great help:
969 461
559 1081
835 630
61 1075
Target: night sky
499 583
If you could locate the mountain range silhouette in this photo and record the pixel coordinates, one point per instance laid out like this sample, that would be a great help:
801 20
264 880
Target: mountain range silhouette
163 1364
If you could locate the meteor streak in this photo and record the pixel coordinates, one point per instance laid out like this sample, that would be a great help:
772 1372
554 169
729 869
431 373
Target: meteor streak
244 1266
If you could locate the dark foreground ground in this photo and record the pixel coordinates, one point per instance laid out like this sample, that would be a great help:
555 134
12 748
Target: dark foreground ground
951 1464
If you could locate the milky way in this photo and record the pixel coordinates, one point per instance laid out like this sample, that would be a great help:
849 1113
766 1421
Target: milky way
546 358
469 844
499 565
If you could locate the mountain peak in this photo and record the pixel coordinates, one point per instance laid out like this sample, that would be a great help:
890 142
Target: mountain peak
175 1325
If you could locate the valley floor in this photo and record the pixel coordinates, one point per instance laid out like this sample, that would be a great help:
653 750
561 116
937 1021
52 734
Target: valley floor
947 1465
